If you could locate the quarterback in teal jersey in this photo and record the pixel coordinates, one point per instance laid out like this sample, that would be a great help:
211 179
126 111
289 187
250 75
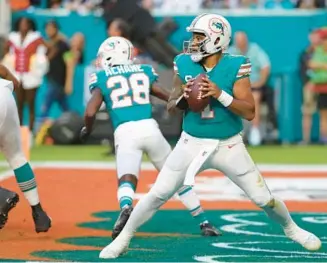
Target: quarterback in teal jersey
125 88
211 139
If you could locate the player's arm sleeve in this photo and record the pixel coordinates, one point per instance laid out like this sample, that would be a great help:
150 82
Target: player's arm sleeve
93 81
244 70
156 89
153 75
92 108
94 103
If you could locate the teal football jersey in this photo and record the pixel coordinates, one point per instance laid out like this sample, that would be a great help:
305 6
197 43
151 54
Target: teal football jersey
126 91
216 121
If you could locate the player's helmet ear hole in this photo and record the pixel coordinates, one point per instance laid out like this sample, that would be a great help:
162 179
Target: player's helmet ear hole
217 40
108 59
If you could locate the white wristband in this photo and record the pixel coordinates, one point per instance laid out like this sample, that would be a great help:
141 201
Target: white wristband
225 99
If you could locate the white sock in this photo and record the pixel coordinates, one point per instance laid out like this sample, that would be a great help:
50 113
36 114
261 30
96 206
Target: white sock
32 197
279 213
143 211
125 194
192 203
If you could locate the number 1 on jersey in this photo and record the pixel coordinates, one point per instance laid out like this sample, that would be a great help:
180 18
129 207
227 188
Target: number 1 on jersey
207 113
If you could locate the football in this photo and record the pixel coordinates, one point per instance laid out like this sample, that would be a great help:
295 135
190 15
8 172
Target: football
195 102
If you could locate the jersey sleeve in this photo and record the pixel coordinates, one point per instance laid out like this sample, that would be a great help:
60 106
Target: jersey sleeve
244 70
176 64
153 76
151 73
93 81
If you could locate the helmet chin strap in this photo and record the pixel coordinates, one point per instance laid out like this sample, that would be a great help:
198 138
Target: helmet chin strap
198 57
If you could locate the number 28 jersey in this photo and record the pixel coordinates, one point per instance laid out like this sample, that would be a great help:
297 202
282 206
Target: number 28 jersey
126 91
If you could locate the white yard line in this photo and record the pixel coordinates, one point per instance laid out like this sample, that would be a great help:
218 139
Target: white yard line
148 166
94 165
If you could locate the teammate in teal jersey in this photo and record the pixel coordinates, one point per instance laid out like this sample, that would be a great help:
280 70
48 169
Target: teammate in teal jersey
126 88
211 139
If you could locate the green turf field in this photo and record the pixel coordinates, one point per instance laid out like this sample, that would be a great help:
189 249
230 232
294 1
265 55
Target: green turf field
263 154
248 237
3 168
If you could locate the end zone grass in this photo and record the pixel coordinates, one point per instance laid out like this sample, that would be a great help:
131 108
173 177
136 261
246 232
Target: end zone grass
263 154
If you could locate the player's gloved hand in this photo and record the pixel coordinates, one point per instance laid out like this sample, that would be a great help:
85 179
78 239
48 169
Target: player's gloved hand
84 134
187 88
209 88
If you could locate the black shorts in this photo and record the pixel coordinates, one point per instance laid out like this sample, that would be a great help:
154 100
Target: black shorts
322 101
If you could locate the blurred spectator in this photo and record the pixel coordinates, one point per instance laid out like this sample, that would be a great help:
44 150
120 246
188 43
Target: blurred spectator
144 32
278 4
55 4
72 58
249 4
311 4
318 76
26 58
169 5
260 65
150 4
210 4
181 5
81 6
119 28
57 74
309 96
5 22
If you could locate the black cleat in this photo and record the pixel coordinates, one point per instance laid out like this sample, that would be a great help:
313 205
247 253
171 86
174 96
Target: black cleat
41 220
8 201
121 221
209 230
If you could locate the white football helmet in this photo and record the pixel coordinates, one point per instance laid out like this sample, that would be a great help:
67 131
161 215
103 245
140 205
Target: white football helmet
217 31
115 51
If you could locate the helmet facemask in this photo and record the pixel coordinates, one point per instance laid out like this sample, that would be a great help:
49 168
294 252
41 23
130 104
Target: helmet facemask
200 49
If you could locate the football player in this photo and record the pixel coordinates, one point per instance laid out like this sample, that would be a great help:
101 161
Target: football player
211 139
10 146
126 88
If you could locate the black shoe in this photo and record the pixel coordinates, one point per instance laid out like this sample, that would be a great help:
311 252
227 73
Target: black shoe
209 230
41 220
121 221
8 201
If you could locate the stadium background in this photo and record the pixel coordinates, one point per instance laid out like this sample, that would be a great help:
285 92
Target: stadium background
77 182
